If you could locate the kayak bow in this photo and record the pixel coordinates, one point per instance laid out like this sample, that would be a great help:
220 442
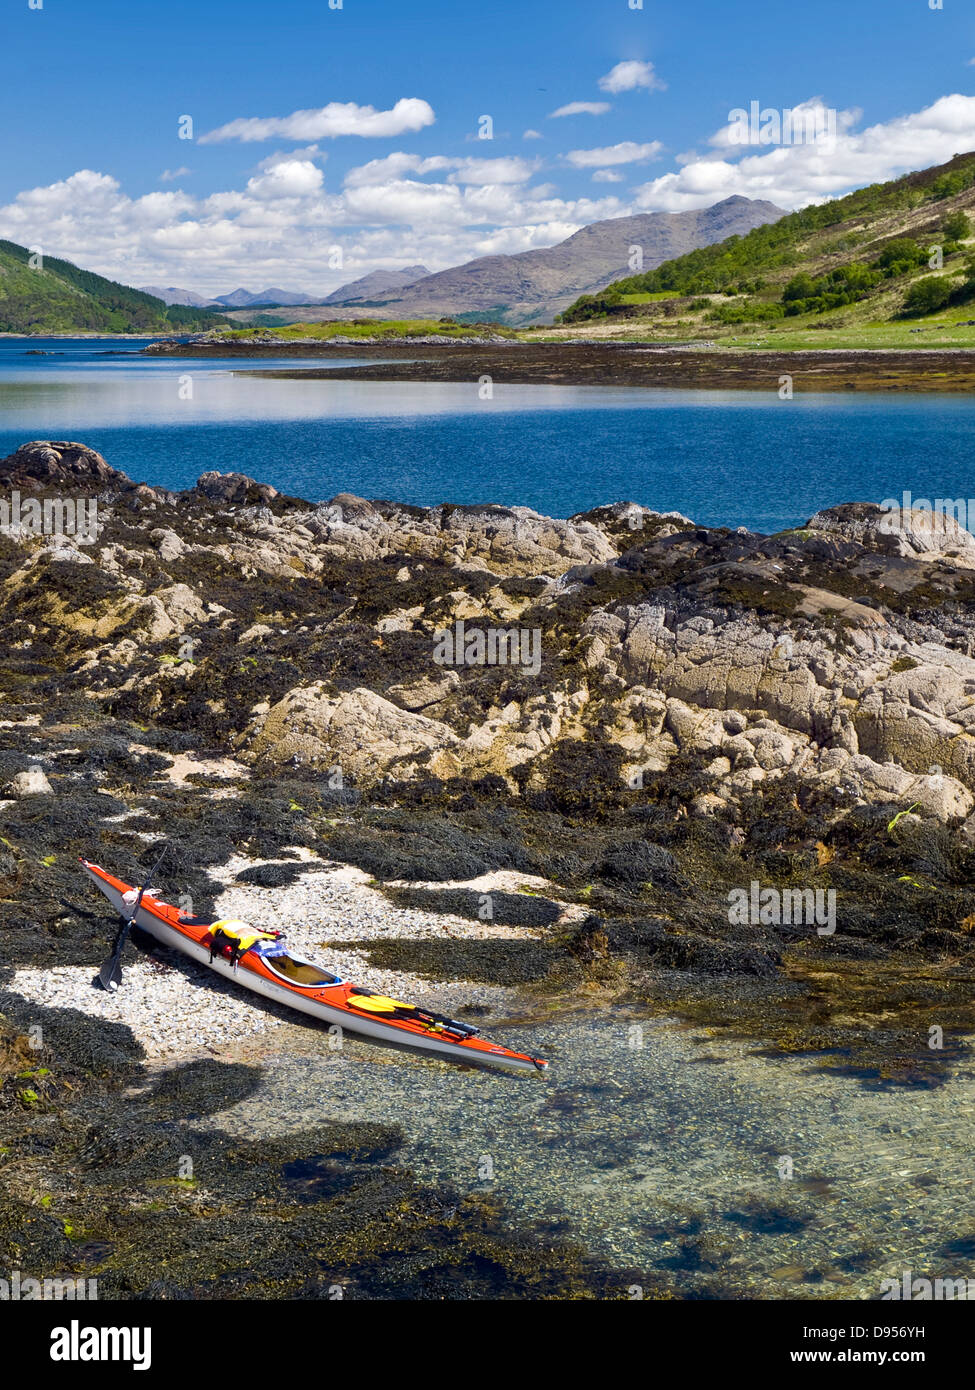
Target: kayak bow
260 961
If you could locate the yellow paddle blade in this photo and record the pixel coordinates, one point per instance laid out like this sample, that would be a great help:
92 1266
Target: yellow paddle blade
376 1003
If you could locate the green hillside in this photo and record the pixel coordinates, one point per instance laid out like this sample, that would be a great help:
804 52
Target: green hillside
856 270
60 298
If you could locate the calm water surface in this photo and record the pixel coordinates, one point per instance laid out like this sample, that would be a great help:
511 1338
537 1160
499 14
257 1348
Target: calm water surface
723 458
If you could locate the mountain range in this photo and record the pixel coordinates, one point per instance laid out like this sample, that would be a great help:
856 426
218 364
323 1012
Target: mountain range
377 282
533 286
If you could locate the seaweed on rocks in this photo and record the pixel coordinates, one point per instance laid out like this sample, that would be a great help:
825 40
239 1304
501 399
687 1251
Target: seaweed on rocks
526 909
490 962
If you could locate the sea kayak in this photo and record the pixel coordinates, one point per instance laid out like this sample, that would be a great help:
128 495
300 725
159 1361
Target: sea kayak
261 961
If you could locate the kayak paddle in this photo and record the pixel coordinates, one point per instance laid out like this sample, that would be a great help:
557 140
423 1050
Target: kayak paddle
110 975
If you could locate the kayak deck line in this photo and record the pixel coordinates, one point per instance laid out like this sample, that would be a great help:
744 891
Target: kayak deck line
266 967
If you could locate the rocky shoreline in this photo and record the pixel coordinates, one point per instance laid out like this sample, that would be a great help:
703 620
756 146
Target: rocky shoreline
675 715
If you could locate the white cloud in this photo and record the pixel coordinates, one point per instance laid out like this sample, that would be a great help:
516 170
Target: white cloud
168 175
581 108
310 152
811 116
627 152
532 135
629 75
607 176
504 169
394 166
327 122
289 178
280 227
795 175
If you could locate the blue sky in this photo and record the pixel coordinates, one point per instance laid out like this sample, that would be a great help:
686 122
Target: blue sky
93 167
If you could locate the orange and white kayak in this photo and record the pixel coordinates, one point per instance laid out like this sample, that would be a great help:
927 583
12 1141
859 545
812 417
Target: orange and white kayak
260 960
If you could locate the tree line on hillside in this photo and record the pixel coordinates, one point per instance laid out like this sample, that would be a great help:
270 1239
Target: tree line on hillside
56 296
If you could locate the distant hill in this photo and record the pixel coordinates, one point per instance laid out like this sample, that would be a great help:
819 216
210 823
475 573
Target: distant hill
172 294
533 286
59 297
243 299
377 284
843 264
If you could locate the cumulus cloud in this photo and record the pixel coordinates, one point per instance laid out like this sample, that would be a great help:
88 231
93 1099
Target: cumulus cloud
629 75
504 169
795 175
168 175
581 108
626 152
394 166
309 152
607 176
532 135
327 122
805 120
289 178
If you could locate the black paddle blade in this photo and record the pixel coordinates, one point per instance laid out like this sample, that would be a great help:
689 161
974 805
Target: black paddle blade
110 975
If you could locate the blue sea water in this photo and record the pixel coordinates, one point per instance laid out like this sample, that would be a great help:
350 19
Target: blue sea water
722 458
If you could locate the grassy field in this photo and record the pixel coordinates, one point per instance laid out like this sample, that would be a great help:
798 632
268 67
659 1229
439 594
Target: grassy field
373 328
938 332
647 298
853 326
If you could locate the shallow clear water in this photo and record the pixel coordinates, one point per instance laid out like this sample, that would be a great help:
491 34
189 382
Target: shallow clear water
664 1159
723 458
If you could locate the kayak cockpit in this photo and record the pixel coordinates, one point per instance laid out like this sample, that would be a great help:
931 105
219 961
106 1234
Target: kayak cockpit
298 972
